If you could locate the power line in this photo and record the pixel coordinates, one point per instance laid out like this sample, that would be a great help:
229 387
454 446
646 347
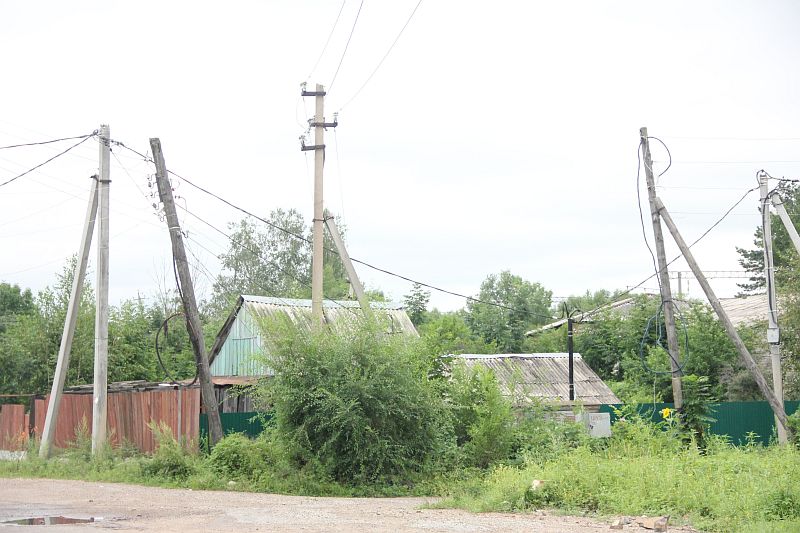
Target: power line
47 161
327 42
344 53
51 141
623 294
406 278
258 253
384 56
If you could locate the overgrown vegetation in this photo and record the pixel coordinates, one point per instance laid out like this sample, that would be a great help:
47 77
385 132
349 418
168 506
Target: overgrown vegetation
361 412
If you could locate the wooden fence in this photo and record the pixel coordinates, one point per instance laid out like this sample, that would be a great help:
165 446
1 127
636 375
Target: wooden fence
130 415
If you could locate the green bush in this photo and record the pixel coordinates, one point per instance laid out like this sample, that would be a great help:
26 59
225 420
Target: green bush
356 403
170 460
483 420
238 456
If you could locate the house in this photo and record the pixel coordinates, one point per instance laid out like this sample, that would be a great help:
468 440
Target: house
234 357
544 377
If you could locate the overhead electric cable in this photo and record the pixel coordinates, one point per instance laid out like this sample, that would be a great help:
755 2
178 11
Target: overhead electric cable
391 47
51 141
427 285
327 41
18 176
346 46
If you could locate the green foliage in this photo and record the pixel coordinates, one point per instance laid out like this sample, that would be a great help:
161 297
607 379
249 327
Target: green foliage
416 303
170 460
483 421
643 470
695 415
240 457
448 333
783 251
265 260
357 403
524 304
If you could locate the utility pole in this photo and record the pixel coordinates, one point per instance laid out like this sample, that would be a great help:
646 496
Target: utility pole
100 393
747 359
186 289
319 125
663 275
65 350
355 283
773 331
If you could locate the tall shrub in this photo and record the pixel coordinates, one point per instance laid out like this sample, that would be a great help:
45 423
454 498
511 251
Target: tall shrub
356 402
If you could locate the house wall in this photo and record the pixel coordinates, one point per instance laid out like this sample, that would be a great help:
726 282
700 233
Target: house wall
236 357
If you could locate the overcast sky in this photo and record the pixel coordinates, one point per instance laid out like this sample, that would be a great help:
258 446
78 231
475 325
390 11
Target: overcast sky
495 136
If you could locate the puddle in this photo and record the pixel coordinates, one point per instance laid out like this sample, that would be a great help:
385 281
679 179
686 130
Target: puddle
48 521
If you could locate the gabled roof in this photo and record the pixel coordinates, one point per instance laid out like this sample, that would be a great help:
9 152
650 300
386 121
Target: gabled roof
338 314
544 376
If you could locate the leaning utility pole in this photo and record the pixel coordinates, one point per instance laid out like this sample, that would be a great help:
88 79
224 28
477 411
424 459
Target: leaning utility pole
773 331
663 274
65 350
747 359
100 394
355 283
186 290
319 125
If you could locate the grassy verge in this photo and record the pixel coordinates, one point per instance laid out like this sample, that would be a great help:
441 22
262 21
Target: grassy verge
724 489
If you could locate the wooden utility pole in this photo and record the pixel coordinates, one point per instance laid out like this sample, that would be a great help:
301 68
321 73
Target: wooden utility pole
355 283
64 351
747 359
773 331
319 125
186 289
100 395
663 275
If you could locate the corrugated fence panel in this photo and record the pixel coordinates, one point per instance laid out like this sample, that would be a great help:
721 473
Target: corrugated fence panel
13 427
734 419
130 413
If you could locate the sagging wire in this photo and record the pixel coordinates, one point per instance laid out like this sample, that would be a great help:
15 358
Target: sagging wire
164 327
660 330
676 367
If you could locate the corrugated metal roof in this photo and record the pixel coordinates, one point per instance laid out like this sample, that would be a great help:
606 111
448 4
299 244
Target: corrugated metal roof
746 310
239 343
544 376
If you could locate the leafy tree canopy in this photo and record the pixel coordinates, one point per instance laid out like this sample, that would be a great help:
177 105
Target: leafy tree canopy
520 304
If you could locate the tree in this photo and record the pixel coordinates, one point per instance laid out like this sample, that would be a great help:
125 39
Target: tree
273 262
783 251
508 307
416 303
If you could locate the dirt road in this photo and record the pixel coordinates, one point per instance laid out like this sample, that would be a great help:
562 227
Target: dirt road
137 508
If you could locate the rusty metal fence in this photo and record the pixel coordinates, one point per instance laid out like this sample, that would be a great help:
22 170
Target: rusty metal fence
131 414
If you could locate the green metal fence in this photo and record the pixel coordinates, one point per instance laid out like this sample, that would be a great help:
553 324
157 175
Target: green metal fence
734 419
251 424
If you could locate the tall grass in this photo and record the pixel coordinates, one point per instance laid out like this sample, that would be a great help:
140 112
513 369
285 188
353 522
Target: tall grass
647 472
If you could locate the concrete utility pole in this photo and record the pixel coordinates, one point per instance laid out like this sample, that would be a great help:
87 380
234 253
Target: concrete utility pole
663 275
355 283
747 359
100 395
319 126
773 332
64 351
186 289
